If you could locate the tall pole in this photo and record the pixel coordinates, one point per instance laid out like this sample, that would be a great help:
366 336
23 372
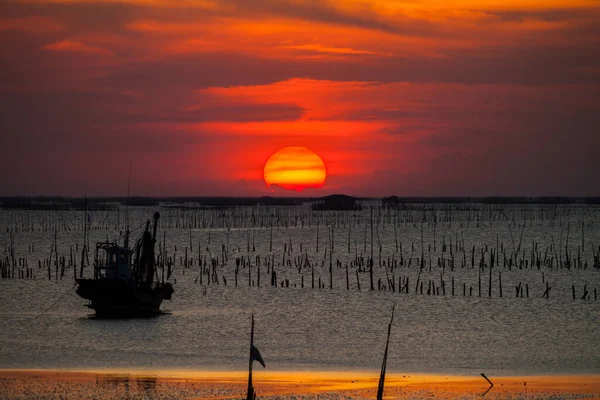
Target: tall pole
250 395
384 363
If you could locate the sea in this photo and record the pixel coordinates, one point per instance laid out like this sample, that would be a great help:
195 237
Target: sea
509 289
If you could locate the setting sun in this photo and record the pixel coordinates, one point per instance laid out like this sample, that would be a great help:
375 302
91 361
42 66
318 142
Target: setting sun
295 168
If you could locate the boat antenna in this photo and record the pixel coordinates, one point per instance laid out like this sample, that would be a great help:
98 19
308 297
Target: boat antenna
127 208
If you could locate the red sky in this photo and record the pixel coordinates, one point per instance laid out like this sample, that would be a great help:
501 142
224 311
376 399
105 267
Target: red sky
408 98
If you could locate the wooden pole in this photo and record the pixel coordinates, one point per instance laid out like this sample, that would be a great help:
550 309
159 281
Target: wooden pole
251 395
384 363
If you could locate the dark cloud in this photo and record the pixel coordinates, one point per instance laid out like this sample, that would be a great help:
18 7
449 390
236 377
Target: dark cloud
521 62
77 16
550 15
521 152
534 65
320 11
522 66
88 16
200 71
95 120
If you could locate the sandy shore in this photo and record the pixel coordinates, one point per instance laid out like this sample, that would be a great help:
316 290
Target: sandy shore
127 384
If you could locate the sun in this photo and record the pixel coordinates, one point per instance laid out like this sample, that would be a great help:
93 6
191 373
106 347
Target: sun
295 168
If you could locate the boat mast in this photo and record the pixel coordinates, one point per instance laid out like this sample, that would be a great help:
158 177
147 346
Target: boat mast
84 248
126 242
150 255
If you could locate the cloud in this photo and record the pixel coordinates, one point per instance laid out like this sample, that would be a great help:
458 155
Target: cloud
487 97
317 48
31 24
76 47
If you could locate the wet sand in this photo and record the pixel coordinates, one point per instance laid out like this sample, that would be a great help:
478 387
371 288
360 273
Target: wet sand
187 385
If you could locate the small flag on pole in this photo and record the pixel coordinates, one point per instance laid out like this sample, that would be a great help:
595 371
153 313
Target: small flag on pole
255 355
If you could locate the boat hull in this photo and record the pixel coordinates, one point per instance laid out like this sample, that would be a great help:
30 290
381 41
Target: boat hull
118 298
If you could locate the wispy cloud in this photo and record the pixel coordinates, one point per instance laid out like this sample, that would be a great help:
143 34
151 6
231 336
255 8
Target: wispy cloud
329 50
76 47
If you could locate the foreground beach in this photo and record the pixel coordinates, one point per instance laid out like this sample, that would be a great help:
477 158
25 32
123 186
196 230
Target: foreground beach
183 385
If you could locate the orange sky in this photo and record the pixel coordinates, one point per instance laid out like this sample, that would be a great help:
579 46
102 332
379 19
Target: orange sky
412 98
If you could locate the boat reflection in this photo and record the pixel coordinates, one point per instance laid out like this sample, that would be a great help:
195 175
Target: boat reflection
140 384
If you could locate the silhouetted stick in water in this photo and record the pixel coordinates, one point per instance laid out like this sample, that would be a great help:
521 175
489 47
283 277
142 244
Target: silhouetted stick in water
491 385
384 363
487 379
254 356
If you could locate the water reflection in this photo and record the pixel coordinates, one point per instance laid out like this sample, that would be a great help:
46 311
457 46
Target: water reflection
141 384
148 316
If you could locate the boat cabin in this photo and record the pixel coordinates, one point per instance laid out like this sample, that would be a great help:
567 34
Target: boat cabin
117 263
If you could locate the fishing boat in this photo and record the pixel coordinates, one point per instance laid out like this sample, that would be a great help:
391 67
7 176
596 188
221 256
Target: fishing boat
125 282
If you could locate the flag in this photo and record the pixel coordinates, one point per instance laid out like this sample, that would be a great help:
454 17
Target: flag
255 356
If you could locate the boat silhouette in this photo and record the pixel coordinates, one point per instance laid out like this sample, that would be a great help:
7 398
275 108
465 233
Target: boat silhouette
125 282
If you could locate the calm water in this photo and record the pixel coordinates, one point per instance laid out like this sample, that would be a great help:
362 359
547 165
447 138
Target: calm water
207 326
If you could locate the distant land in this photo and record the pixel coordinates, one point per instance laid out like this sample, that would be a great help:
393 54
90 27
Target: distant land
48 202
